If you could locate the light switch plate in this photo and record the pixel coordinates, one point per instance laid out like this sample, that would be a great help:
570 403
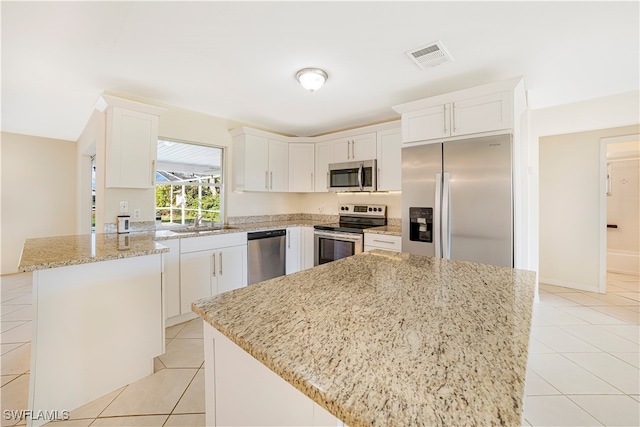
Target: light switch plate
124 207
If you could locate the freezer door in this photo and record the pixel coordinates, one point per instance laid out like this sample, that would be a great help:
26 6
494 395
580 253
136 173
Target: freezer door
478 188
420 188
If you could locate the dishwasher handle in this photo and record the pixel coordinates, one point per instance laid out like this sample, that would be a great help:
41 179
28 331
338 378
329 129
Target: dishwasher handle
255 235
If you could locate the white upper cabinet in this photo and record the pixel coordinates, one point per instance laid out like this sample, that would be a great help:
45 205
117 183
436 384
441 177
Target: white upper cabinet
389 159
324 156
301 167
482 114
354 148
260 163
131 142
486 108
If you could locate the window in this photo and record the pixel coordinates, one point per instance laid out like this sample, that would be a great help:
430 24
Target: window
189 184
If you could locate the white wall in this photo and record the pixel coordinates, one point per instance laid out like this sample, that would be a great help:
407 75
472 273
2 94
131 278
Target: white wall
38 181
568 207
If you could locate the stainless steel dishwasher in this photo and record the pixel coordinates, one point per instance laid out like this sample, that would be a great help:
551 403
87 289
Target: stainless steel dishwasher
266 255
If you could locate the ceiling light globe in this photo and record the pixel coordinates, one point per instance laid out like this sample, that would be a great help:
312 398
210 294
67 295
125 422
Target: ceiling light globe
311 78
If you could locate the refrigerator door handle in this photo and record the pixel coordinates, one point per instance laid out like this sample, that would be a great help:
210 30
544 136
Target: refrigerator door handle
446 217
437 216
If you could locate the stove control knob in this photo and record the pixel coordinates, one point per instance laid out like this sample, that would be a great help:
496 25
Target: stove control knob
370 209
346 208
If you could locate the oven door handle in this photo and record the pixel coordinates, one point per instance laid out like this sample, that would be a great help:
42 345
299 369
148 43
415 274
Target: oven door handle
350 237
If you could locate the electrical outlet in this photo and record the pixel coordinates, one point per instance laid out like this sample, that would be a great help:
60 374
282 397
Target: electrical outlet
124 207
321 209
136 214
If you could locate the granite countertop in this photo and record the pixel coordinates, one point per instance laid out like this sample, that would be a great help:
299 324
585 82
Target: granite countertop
61 251
168 234
389 230
385 338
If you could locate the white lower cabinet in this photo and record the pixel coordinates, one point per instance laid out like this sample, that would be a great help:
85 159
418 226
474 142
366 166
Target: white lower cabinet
293 258
382 241
307 247
171 277
240 391
210 266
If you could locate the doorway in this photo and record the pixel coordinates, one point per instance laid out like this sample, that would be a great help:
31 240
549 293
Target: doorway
619 207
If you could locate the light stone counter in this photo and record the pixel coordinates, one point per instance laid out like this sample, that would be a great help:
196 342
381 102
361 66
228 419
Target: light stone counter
389 230
386 338
61 251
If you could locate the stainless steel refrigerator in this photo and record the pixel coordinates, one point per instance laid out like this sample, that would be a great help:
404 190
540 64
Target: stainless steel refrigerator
457 200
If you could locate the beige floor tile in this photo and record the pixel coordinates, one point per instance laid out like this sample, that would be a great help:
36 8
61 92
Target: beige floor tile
94 408
18 361
560 340
193 329
15 397
157 364
193 399
632 359
70 423
146 420
5 348
556 411
590 315
635 296
613 288
555 289
536 386
186 420
21 334
614 371
622 313
7 298
630 332
554 299
7 309
24 298
183 353
24 313
11 282
555 316
536 346
568 377
582 298
611 410
156 394
615 299
8 325
601 338
6 379
172 331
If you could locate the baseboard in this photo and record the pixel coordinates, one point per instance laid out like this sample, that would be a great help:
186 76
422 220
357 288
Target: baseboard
181 318
624 262
567 284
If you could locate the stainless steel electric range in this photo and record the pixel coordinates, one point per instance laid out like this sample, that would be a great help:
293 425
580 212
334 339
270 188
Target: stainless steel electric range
346 237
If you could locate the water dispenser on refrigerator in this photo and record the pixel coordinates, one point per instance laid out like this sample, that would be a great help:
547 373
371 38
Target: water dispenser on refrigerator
421 224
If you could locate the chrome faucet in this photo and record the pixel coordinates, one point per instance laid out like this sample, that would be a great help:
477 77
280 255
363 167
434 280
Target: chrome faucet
198 220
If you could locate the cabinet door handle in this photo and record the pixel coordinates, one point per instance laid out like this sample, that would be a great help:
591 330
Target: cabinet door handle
327 180
271 183
444 117
221 263
266 180
348 147
213 260
353 149
379 179
453 116
384 241
311 180
288 239
153 173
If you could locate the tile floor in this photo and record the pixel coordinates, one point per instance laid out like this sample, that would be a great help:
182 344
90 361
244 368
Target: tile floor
583 370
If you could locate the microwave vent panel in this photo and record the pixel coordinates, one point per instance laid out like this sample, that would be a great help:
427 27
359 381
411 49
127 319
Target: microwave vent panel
429 55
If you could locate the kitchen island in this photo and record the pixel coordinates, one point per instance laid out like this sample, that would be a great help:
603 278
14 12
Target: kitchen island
379 338
97 316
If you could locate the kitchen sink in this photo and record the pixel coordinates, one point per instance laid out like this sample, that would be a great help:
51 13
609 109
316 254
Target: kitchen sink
204 228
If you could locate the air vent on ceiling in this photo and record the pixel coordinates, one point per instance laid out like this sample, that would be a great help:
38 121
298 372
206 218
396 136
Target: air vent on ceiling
430 55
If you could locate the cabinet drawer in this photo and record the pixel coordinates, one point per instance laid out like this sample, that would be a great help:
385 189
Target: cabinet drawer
194 244
383 241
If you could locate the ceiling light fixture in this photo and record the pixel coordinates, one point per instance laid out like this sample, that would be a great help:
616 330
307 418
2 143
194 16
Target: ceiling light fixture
312 78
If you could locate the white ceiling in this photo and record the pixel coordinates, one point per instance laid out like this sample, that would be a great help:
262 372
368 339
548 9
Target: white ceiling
238 59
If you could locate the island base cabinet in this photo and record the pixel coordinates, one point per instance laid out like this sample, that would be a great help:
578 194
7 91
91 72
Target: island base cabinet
122 329
240 391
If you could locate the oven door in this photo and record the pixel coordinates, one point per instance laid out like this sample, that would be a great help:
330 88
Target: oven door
332 246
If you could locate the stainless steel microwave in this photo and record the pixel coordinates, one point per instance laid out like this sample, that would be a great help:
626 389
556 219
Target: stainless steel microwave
353 176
